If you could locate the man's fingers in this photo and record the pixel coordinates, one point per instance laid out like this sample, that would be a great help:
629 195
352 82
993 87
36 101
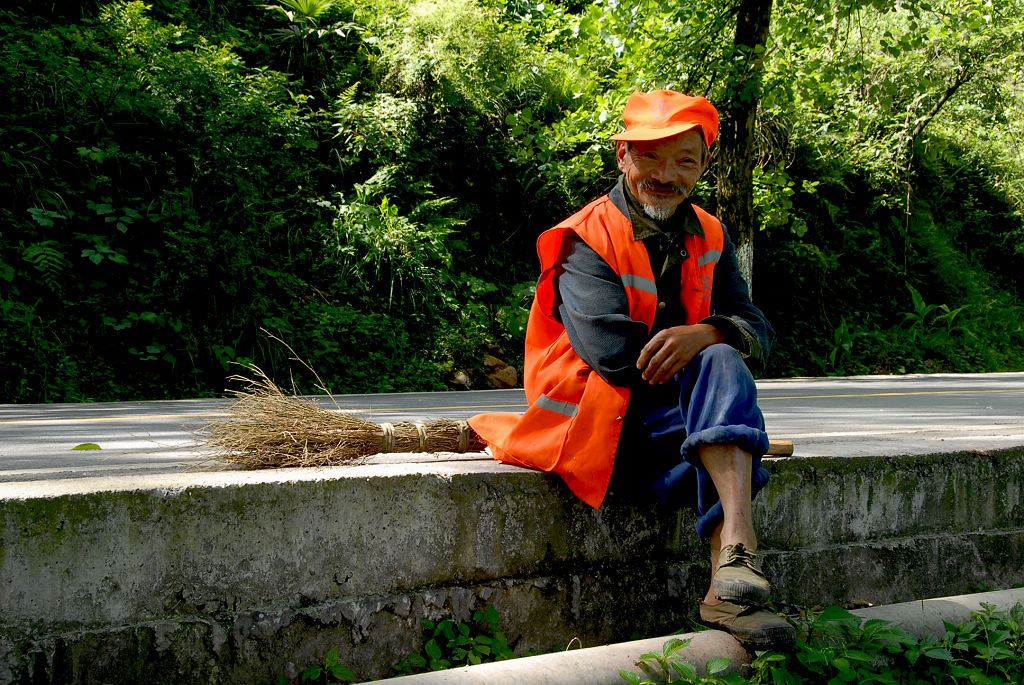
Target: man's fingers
649 351
662 366
650 358
656 358
665 369
650 369
671 349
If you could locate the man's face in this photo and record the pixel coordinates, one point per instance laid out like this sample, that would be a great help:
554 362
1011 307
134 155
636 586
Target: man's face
661 173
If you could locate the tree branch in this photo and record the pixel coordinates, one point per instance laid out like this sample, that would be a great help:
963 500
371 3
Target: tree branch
964 75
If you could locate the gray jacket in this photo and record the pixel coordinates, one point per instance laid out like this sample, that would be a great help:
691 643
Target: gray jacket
595 312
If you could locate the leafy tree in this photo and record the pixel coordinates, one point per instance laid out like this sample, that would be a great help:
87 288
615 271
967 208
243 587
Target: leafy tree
367 180
739 112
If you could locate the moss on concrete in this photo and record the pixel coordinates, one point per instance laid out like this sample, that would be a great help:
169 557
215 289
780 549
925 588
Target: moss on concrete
838 500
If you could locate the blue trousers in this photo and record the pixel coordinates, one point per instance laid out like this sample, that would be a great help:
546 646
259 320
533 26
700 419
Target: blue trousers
712 401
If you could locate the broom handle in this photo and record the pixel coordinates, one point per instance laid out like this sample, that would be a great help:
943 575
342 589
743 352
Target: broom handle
780 448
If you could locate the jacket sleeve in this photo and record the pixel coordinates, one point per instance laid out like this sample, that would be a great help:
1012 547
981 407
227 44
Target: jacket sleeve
594 310
732 311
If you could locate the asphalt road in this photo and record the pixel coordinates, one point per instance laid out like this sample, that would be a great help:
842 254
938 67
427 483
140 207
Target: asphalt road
860 416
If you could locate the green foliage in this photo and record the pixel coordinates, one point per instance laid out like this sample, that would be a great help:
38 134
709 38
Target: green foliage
367 180
171 196
447 644
302 10
310 40
393 255
875 293
329 673
839 647
48 260
667 666
452 51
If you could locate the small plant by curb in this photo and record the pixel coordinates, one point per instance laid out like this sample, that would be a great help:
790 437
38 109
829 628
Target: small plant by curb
447 644
838 647
332 672
667 667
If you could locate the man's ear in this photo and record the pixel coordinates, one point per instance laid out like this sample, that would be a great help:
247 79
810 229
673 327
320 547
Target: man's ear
706 161
621 147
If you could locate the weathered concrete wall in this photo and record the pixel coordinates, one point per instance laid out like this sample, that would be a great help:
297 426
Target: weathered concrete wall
893 529
234 581
240 577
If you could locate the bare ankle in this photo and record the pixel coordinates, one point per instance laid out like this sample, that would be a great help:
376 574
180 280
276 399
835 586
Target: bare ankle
747 538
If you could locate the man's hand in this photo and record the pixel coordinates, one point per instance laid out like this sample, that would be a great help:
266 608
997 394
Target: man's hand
671 349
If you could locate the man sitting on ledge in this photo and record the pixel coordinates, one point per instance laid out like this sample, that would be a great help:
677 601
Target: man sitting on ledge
635 349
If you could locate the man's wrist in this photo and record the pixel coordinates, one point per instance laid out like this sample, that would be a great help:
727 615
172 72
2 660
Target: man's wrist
712 333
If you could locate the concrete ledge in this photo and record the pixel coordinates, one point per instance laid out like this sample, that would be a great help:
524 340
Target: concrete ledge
893 529
810 500
927 617
241 577
593 666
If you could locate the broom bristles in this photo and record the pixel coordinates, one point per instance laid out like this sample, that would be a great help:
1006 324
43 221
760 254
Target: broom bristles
267 428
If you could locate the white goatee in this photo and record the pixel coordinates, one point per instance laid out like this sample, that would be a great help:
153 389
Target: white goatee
658 213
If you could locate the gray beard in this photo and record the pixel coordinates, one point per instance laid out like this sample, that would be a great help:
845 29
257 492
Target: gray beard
658 213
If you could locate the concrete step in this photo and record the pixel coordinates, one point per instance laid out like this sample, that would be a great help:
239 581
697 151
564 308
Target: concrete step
238 577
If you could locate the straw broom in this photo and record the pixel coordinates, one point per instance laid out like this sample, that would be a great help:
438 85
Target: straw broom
267 428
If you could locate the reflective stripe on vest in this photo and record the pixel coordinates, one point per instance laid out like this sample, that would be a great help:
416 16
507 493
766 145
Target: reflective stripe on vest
577 435
563 408
709 257
646 285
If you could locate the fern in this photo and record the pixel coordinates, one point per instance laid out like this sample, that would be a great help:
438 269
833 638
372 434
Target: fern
47 258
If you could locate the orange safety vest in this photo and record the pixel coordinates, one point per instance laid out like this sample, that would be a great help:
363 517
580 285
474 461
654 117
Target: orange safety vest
574 418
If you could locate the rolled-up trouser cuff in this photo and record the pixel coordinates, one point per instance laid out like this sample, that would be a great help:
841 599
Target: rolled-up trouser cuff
747 438
717 404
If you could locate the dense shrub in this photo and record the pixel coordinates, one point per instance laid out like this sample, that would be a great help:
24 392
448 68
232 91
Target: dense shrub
366 181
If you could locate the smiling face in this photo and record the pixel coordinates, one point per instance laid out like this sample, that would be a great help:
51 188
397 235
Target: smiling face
661 174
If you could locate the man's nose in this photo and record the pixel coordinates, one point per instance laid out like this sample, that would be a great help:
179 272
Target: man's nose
668 172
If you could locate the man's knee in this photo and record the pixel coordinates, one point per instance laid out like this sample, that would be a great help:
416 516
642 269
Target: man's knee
724 360
722 353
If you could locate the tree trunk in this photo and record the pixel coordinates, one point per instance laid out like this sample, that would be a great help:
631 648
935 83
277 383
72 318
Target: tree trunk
736 146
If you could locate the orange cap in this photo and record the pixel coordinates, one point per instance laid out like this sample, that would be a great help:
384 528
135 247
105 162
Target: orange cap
663 113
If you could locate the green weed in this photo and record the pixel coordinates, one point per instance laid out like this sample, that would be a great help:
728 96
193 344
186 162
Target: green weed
838 647
331 672
447 644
